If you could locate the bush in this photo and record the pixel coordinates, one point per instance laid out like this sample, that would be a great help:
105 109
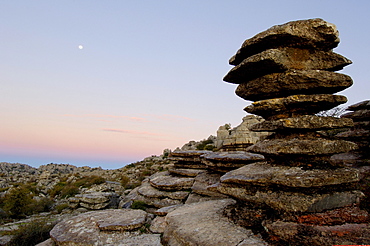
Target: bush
139 205
64 189
125 180
32 233
202 145
16 202
59 208
89 181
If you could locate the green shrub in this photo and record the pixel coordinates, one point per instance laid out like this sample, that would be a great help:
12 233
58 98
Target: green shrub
42 205
139 205
88 181
59 208
56 190
16 202
203 144
31 233
125 180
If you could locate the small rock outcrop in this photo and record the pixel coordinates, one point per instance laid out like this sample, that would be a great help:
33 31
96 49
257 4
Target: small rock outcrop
239 138
106 227
289 73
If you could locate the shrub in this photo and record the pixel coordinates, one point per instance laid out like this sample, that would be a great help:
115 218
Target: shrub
59 208
31 233
125 180
89 181
139 205
16 202
202 145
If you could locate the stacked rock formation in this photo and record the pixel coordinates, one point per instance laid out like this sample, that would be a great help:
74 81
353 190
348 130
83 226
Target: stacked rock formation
240 137
186 182
360 132
288 71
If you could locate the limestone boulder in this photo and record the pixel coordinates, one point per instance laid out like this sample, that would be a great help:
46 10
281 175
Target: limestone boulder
265 174
294 105
312 147
186 172
291 202
142 240
293 82
303 122
226 161
311 34
203 180
170 183
111 226
98 200
283 59
206 226
149 191
194 197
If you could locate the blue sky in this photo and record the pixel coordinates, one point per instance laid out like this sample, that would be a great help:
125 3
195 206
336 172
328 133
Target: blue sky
148 78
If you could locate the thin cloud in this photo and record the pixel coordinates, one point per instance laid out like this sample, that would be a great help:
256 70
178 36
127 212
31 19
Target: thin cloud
131 132
172 118
104 117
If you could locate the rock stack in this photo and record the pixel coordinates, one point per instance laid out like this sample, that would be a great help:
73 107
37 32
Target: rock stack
360 132
186 182
240 137
288 71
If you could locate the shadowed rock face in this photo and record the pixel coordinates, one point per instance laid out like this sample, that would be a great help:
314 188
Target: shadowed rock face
288 71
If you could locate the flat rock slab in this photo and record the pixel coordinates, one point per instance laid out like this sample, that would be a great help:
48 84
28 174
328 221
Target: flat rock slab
98 228
203 180
290 233
283 59
140 240
149 191
309 147
226 161
189 153
194 197
303 122
158 225
190 165
265 174
165 210
293 82
291 201
186 172
204 224
294 105
170 183
311 34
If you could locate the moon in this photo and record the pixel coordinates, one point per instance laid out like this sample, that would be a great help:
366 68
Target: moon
80 47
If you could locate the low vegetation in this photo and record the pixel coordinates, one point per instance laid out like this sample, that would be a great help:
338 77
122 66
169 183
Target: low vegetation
31 233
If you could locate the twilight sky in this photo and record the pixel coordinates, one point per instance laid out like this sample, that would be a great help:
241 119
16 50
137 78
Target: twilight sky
149 76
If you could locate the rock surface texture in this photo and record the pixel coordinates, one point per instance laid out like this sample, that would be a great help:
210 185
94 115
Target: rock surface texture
288 71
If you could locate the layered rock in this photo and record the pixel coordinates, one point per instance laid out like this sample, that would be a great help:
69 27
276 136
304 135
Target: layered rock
107 227
186 182
289 73
360 132
239 138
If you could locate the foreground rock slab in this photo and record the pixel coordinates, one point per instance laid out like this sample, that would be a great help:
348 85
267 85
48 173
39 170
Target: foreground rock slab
207 226
108 227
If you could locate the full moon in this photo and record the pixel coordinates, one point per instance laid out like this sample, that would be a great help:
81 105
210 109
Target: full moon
80 47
